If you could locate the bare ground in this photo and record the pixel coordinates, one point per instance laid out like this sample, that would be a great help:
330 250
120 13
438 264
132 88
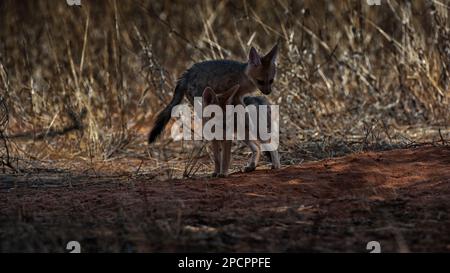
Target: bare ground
399 198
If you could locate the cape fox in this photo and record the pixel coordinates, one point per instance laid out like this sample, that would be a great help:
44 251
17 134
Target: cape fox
222 148
220 75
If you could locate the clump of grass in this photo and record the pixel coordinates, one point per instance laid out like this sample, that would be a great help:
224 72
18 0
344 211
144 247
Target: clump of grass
344 66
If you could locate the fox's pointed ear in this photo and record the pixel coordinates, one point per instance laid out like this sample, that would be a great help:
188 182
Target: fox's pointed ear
272 55
230 93
234 89
209 96
254 58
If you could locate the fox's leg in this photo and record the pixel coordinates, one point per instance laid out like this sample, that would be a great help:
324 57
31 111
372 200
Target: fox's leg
275 158
256 153
217 157
226 158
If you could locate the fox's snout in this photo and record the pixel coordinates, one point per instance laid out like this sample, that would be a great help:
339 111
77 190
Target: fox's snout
266 90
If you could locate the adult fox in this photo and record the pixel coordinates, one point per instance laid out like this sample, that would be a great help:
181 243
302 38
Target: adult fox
221 75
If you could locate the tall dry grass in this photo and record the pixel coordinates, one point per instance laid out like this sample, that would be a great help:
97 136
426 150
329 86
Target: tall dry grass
87 81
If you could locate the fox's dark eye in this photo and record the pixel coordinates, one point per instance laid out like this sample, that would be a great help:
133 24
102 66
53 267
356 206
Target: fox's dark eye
271 81
260 82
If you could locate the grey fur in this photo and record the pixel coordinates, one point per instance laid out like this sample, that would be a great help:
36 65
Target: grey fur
220 75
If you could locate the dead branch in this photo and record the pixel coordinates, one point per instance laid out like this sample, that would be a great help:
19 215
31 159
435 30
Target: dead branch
5 158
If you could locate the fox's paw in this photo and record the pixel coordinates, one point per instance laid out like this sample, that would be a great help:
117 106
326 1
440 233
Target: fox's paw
276 167
214 175
248 169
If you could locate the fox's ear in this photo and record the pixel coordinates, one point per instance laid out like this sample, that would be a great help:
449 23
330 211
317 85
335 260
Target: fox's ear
234 89
254 58
272 55
209 96
230 93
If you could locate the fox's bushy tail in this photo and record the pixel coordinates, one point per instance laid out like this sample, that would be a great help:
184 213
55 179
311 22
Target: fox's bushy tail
164 116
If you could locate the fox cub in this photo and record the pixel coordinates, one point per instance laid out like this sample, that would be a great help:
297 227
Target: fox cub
222 148
221 75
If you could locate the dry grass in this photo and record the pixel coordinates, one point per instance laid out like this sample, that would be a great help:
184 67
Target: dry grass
86 82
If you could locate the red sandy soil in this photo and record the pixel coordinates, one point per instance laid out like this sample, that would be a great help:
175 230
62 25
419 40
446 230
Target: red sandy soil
399 198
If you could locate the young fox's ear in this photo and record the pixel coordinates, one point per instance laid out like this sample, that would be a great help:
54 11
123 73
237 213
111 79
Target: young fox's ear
228 95
254 58
272 55
209 96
